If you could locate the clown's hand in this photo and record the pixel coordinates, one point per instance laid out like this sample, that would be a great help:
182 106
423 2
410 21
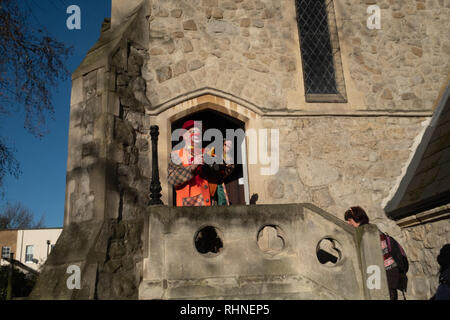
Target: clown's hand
210 154
197 161
227 148
210 151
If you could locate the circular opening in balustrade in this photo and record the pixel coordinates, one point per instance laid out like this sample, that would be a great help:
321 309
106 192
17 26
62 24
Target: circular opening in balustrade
271 240
329 251
208 241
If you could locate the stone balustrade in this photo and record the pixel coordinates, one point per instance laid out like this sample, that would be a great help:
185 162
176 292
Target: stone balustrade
293 251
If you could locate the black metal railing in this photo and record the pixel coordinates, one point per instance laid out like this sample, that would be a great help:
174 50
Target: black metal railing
155 186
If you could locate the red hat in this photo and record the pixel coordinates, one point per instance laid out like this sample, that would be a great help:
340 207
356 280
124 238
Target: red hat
188 124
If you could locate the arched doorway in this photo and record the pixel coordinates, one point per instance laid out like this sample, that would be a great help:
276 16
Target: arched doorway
237 183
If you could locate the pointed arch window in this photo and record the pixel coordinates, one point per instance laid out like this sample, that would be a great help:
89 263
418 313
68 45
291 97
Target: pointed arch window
319 45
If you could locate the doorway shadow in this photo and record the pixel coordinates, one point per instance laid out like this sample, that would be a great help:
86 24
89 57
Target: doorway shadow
212 119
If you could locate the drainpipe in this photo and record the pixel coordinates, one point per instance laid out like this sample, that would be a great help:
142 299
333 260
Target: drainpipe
21 245
10 276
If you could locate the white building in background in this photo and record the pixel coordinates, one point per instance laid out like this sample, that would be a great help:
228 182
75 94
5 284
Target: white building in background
34 245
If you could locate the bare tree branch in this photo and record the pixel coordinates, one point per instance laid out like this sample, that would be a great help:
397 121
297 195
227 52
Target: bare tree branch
8 163
16 216
31 63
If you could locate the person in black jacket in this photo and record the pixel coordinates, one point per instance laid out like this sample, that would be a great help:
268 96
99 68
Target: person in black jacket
356 216
443 290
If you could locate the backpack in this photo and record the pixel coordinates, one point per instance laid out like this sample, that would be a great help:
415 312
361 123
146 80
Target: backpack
399 255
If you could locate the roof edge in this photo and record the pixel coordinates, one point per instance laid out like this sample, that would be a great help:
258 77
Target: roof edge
391 207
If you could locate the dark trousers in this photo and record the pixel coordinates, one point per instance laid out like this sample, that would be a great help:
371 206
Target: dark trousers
393 277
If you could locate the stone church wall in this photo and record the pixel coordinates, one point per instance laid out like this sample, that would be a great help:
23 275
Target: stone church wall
338 162
250 49
332 154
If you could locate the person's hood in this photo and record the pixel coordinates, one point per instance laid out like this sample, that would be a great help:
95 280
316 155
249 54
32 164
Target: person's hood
445 275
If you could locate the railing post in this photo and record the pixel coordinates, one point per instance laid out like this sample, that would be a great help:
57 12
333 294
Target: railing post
155 186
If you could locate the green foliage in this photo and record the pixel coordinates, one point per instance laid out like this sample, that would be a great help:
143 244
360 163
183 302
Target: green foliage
22 283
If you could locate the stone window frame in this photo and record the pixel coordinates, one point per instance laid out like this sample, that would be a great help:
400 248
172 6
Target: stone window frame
341 97
212 100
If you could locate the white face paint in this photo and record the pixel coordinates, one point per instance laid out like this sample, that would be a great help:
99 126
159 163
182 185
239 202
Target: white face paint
193 136
197 135
197 139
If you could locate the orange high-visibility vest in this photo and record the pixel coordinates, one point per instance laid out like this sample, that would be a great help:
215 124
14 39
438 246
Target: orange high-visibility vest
191 189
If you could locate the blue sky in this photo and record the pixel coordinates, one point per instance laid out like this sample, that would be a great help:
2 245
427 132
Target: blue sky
41 185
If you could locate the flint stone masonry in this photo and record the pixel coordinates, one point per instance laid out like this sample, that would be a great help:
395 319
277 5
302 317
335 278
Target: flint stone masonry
383 64
161 60
357 162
